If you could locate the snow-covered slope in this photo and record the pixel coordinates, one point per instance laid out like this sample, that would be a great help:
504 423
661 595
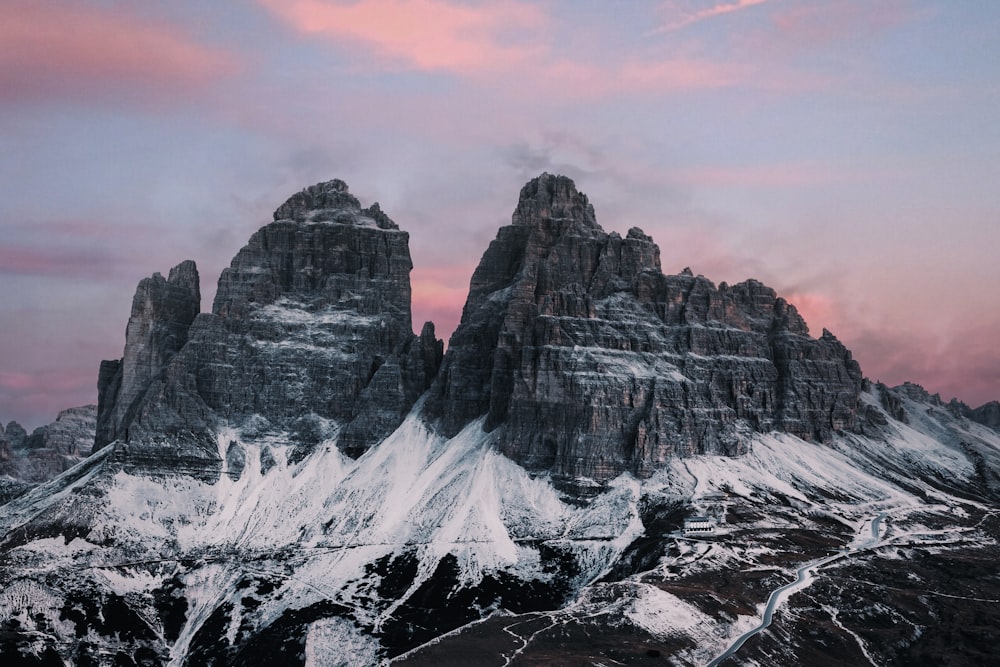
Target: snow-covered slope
297 479
424 535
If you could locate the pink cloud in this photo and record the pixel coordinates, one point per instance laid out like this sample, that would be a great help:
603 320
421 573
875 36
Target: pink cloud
53 49
765 175
689 18
421 34
492 40
589 80
42 382
438 296
24 261
964 366
819 311
957 361
35 399
812 25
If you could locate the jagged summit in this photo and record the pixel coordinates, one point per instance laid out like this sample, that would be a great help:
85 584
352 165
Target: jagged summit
587 361
285 484
162 313
549 199
310 331
332 202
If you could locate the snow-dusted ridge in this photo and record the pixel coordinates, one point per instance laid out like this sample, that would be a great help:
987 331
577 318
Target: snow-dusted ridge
348 545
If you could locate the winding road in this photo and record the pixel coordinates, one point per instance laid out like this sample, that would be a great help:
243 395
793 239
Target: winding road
803 577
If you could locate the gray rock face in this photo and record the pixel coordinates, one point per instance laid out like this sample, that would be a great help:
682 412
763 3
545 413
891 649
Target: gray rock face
15 434
5 449
308 313
987 414
311 321
49 450
588 361
162 313
71 434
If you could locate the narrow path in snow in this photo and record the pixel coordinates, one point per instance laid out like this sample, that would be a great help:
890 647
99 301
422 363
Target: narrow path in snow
803 577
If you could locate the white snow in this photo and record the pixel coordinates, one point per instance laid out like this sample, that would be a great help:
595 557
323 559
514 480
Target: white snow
334 642
312 528
664 615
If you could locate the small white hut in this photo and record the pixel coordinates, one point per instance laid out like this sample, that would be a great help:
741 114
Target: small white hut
699 525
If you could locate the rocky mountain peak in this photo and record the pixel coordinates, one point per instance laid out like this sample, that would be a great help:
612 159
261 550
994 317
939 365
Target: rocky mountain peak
162 312
310 332
331 202
184 276
587 361
554 200
15 434
987 414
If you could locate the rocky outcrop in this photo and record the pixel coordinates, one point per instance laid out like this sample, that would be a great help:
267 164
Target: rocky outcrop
987 415
49 450
392 391
588 361
308 313
5 449
311 324
162 313
71 434
15 434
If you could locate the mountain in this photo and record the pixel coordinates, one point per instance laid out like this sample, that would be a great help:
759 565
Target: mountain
589 362
297 478
27 460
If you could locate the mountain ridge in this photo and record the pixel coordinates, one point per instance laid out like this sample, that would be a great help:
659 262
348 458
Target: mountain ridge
306 481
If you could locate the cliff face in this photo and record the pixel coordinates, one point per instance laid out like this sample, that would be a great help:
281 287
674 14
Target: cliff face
987 414
27 460
581 360
310 331
588 361
162 313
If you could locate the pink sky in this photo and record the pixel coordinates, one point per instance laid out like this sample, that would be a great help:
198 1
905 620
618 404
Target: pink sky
843 152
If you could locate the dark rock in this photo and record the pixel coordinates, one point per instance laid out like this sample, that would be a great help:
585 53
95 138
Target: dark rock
267 460
987 415
891 403
6 463
392 391
311 319
917 393
587 361
50 449
236 460
162 313
71 434
15 435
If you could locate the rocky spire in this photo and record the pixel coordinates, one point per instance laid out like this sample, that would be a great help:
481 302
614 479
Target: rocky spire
550 199
587 361
162 312
310 335
331 202
987 414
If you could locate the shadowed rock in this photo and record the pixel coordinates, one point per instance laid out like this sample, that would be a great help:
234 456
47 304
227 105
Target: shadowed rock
162 313
311 319
49 450
588 361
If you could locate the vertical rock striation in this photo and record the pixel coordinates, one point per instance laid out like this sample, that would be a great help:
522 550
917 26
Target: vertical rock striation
987 414
48 451
162 313
588 361
309 312
310 331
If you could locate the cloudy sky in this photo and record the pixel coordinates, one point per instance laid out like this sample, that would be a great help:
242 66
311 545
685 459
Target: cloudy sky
845 152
